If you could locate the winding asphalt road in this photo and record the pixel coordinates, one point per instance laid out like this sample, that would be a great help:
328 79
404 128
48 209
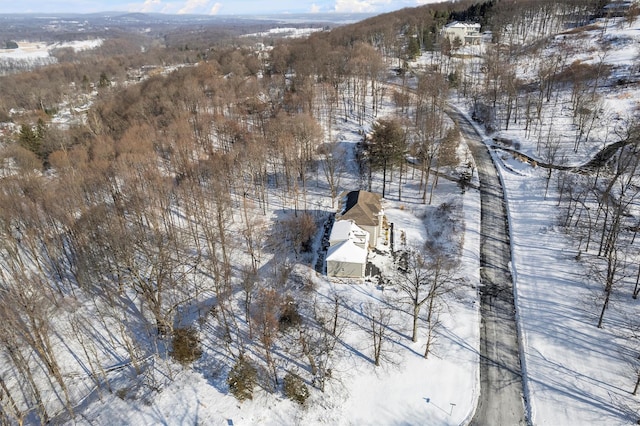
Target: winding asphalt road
501 400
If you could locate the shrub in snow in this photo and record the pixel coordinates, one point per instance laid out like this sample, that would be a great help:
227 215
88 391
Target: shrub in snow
295 389
299 231
242 379
289 316
186 345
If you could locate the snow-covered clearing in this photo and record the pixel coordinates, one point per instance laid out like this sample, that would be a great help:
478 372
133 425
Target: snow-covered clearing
574 370
285 32
32 49
31 54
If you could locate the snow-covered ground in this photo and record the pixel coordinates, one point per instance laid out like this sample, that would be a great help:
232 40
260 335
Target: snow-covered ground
574 374
574 371
30 54
31 50
405 389
285 32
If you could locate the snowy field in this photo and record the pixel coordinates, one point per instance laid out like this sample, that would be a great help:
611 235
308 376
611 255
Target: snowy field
574 372
285 32
30 54
31 50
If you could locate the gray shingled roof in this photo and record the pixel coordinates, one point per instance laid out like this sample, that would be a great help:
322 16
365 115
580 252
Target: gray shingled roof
362 207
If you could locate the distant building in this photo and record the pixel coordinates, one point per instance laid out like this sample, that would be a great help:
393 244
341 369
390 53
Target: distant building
467 33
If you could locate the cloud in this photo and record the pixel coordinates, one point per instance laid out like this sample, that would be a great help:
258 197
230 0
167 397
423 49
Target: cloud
359 6
151 6
215 9
315 8
193 6
347 6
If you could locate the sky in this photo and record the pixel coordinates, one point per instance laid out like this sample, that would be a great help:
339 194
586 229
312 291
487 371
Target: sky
209 7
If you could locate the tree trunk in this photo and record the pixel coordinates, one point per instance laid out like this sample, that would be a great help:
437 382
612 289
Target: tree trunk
416 314
636 289
607 295
384 178
430 313
635 388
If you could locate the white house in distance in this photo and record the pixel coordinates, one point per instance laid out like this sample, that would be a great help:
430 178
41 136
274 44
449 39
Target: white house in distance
356 229
467 33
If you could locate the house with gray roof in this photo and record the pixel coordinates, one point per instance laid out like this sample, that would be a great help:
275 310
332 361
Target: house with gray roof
357 228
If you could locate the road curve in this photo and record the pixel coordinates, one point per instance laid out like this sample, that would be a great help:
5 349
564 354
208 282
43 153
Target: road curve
501 400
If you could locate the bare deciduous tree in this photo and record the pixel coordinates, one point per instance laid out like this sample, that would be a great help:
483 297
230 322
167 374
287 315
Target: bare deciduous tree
265 319
378 321
332 159
423 280
318 339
